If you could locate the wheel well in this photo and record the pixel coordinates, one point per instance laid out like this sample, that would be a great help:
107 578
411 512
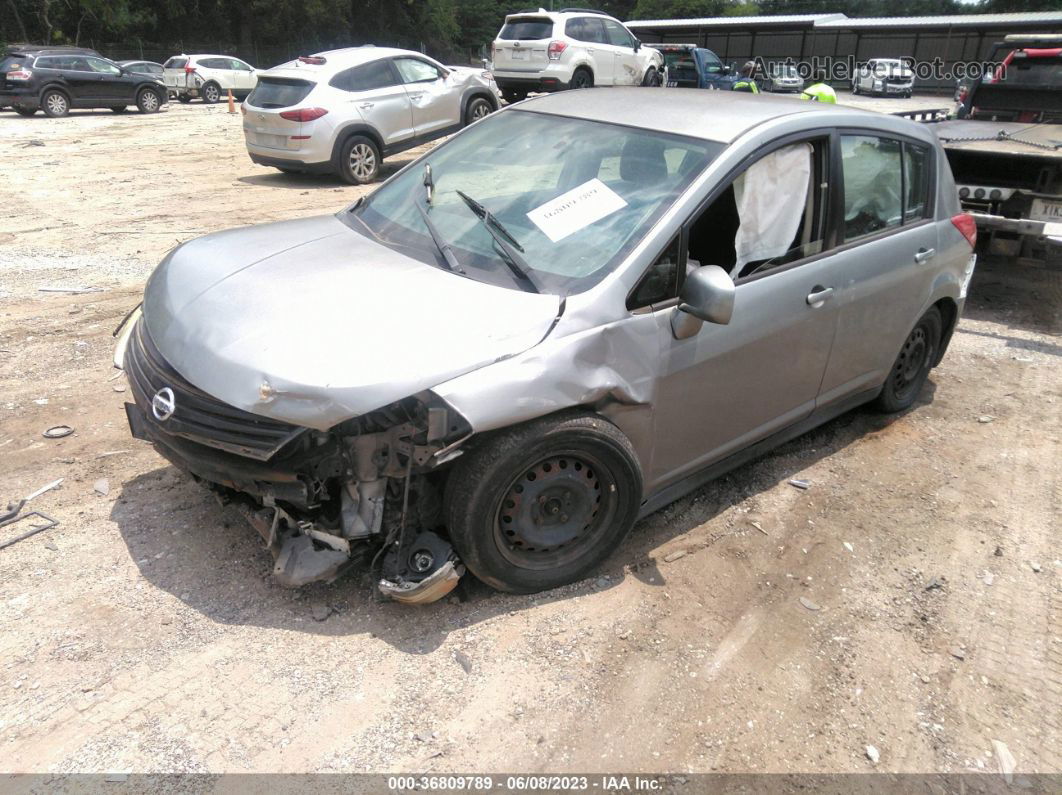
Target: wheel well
346 135
54 87
584 68
479 95
949 314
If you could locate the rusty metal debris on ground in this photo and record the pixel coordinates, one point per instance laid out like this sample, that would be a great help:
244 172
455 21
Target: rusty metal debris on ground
58 432
70 290
800 484
14 514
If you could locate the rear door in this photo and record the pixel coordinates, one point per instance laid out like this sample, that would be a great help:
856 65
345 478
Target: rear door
435 101
626 70
590 33
522 44
81 80
173 74
262 122
375 93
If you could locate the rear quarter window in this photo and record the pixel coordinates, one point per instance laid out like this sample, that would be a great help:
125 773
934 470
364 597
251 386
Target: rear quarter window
175 63
526 29
276 92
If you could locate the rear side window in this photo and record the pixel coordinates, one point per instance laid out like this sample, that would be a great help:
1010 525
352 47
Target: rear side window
47 62
378 74
216 63
176 63
873 187
277 92
526 29
585 29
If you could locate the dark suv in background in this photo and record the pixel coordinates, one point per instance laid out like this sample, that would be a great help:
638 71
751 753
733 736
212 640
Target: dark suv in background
56 79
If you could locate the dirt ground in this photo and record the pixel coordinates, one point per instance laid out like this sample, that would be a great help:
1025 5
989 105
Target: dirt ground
910 599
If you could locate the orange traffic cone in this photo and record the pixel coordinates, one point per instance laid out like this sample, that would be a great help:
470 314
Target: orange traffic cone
232 103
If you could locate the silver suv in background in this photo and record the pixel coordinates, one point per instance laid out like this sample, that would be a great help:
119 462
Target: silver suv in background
343 111
573 48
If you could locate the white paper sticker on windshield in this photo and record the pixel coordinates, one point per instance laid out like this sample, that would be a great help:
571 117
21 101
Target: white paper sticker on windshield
576 209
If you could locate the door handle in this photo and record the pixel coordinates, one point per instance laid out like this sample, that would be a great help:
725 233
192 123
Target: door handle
367 105
818 295
418 95
925 255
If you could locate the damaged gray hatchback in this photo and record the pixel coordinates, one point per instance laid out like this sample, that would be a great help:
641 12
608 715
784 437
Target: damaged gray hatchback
559 320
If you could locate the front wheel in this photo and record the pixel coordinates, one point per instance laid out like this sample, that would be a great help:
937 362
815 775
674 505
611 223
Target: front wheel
543 504
652 78
211 93
359 160
148 101
478 108
912 366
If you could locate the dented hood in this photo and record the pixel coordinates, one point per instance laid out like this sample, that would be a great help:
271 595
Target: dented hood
312 323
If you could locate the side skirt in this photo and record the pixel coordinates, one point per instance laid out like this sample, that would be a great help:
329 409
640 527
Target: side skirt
681 488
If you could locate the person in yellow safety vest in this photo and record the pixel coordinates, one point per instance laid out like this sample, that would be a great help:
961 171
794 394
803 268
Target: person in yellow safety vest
819 90
746 81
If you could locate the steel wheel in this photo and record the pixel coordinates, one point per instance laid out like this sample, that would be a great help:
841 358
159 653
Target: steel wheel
362 161
913 363
56 104
553 511
910 363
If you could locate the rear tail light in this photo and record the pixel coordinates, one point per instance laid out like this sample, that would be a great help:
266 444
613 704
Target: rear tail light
303 114
316 60
189 69
556 49
965 223
20 74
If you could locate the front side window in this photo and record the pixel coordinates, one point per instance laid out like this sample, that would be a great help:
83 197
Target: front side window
873 191
103 67
239 66
575 195
712 62
617 34
414 70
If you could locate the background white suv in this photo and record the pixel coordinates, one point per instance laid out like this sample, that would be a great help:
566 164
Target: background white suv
885 76
343 111
547 51
208 76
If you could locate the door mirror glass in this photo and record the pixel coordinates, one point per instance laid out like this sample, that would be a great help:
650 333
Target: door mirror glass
708 294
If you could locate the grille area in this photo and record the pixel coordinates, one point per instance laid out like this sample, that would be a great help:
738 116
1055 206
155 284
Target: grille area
199 417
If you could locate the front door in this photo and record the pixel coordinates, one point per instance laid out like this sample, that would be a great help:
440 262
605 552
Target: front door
110 83
626 70
436 103
377 93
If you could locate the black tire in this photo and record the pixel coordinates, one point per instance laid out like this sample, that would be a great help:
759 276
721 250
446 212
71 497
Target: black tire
359 160
23 110
913 363
582 78
652 78
55 104
543 504
477 109
211 93
512 95
184 99
148 101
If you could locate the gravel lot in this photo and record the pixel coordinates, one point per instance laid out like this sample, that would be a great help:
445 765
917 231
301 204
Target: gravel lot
910 599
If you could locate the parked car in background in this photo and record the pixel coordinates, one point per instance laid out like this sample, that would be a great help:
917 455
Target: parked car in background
782 77
208 76
558 321
884 76
56 79
143 67
573 48
344 111
690 66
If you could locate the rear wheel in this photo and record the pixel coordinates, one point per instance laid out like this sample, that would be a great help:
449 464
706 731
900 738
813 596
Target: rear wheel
147 101
478 108
23 110
512 95
359 160
55 104
543 504
211 93
582 79
912 366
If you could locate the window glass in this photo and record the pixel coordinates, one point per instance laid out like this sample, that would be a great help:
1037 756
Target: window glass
280 92
377 74
74 64
711 62
617 34
12 63
103 67
872 188
526 29
660 282
239 66
585 29
577 195
414 70
175 63
916 162
215 63
47 62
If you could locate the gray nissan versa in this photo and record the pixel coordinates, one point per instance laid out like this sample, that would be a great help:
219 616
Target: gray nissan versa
554 323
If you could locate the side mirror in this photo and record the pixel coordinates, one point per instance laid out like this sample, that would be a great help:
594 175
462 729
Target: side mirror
707 295
637 45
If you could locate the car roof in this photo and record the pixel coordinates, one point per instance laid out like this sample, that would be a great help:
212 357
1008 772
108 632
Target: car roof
41 49
563 13
720 116
338 60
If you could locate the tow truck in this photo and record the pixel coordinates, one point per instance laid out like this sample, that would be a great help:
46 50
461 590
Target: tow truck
1004 142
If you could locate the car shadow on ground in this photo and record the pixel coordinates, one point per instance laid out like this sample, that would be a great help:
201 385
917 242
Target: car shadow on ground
297 181
186 544
1019 295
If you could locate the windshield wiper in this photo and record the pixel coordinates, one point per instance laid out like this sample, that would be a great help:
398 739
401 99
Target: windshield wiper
444 247
506 242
